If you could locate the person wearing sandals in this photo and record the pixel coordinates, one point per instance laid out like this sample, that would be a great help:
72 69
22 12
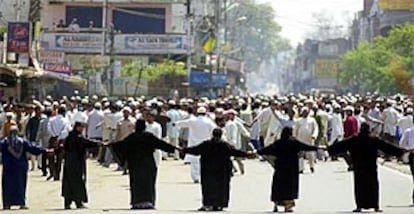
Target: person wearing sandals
285 186
138 150
216 170
15 166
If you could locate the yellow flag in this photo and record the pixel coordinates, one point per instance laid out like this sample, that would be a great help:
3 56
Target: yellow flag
210 45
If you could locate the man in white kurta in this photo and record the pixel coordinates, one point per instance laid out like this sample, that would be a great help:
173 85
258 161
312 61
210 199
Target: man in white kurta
337 125
200 130
406 121
265 119
306 130
172 131
155 129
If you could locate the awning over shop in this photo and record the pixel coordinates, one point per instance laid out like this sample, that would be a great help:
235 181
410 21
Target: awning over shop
30 73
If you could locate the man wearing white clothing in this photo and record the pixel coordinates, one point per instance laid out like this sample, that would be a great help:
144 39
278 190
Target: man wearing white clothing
111 120
235 130
337 127
200 130
406 121
94 127
172 131
306 130
407 142
390 118
58 127
265 118
155 129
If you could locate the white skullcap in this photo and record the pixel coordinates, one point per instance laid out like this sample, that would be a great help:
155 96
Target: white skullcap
14 128
231 111
201 110
349 108
126 108
98 105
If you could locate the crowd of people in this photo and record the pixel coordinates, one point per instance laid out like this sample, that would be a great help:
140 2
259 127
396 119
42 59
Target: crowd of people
137 134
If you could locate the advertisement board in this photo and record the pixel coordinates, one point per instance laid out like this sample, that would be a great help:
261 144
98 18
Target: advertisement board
396 4
75 42
58 68
18 37
199 78
93 43
326 68
56 57
150 44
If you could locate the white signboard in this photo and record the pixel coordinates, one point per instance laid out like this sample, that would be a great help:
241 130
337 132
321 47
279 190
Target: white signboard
55 57
150 44
23 59
75 42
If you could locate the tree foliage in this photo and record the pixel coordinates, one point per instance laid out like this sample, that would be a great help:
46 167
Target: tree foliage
386 66
253 30
153 71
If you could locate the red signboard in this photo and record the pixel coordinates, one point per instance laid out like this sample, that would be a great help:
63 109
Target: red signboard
18 37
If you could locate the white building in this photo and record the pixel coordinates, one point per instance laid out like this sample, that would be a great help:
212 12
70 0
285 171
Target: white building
14 10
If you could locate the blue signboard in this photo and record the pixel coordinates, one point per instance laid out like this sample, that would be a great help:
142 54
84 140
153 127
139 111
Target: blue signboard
202 79
18 37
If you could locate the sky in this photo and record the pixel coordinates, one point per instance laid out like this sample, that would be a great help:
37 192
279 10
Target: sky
295 16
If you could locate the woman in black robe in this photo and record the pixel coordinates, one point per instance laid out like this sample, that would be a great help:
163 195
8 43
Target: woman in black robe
138 150
364 152
285 185
74 169
216 168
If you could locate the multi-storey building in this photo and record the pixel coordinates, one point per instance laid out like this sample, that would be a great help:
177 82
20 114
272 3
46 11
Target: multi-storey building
317 63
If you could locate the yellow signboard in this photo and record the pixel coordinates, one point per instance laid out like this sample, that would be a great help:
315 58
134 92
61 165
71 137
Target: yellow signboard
326 68
397 4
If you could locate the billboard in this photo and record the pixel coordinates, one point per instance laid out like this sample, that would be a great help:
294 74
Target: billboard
58 68
326 68
75 42
18 37
199 78
396 4
150 44
56 57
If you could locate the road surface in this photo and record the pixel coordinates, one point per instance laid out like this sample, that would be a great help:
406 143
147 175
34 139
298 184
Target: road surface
328 190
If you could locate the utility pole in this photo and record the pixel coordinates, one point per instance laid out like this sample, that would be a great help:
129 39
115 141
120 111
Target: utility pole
189 40
105 30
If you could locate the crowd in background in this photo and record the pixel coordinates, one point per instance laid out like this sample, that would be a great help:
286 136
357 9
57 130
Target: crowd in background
249 122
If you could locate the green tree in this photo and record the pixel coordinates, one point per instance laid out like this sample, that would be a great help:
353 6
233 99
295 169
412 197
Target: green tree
385 66
252 30
138 71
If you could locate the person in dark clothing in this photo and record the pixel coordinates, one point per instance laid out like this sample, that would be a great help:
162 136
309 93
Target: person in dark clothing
138 150
216 169
32 126
285 185
74 169
32 129
363 149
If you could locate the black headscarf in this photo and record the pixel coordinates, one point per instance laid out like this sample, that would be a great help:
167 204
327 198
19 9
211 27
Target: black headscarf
286 133
140 126
364 130
217 133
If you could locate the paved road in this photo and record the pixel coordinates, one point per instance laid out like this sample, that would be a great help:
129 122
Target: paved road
329 190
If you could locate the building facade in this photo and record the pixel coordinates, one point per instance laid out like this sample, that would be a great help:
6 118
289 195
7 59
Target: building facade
317 64
378 17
